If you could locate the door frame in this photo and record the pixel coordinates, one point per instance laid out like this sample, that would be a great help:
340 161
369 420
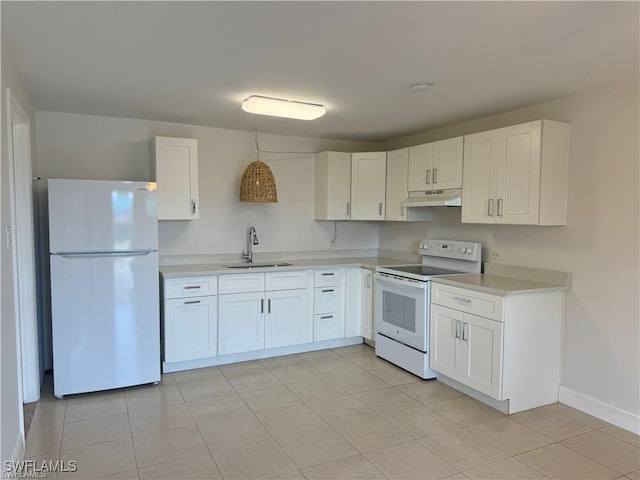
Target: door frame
23 248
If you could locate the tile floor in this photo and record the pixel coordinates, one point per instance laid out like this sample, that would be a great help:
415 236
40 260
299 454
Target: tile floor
331 414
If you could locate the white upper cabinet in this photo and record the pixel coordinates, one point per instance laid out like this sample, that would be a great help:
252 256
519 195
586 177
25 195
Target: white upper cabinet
368 185
397 191
176 172
332 186
517 174
436 166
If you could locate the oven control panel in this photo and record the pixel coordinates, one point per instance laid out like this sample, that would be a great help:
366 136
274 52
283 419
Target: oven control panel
451 249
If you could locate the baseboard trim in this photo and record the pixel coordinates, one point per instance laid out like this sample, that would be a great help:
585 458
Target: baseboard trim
603 411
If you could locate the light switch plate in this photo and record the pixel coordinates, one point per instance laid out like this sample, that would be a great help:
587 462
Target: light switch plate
496 254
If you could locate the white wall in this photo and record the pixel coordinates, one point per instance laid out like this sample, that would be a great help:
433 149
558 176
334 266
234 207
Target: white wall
599 246
83 146
11 433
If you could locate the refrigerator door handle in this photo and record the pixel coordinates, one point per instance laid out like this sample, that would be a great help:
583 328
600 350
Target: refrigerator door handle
134 253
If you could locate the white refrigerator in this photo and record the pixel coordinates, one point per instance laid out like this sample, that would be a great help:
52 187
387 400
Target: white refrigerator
103 244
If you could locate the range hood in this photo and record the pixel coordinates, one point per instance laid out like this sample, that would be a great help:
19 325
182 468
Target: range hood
435 198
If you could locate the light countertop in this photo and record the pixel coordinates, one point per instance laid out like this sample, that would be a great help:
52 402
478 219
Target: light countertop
194 270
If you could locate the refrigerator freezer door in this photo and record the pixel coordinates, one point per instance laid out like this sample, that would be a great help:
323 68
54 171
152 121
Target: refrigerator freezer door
102 216
106 327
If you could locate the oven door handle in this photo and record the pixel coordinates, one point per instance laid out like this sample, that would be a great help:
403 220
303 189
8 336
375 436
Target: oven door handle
404 283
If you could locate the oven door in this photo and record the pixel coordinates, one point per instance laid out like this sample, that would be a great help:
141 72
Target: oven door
401 310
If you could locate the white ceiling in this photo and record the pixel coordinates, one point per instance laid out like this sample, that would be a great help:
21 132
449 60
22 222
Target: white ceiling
194 62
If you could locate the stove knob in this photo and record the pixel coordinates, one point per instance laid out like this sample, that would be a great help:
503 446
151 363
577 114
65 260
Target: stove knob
463 250
425 246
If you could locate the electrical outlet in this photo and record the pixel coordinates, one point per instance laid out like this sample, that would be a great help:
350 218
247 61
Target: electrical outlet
496 254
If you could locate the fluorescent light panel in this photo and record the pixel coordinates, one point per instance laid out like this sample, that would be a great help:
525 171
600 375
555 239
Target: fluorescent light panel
277 107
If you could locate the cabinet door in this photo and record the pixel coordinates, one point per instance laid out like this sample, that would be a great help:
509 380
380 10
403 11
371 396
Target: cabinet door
190 328
353 302
328 326
444 349
479 203
332 186
176 168
420 167
241 323
287 321
368 185
447 163
367 304
518 186
482 358
397 190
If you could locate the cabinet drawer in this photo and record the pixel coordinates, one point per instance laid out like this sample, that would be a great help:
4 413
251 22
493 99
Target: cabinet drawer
241 283
326 300
327 277
465 300
190 287
328 327
286 280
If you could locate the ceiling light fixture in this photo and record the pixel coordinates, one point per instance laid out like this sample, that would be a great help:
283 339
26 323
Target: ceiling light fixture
420 87
278 107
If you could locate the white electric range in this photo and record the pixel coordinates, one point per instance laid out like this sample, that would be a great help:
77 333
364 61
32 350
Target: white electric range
402 298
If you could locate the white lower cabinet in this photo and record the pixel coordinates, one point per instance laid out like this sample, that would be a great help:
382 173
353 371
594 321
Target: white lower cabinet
504 348
241 322
328 304
189 319
358 303
287 321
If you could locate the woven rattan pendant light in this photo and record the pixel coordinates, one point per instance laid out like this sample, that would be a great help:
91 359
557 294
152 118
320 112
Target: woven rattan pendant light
258 184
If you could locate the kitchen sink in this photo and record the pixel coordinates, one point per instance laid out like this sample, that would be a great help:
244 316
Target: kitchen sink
258 265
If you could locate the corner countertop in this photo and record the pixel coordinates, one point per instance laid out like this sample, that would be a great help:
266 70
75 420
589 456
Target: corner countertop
503 280
202 269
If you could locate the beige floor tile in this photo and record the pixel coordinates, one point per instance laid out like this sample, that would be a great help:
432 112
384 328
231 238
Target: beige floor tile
338 366
283 361
94 405
319 356
387 400
611 452
157 419
205 388
349 468
368 361
291 419
557 421
231 432
339 408
509 469
95 430
456 476
255 380
152 396
211 409
559 462
39 463
269 398
294 475
255 460
409 461
41 441
633 475
201 467
429 391
420 421
128 475
168 445
621 434
354 350
296 373
317 389
241 367
197 374
463 449
359 382
466 411
315 446
100 460
510 436
395 376
371 433
49 413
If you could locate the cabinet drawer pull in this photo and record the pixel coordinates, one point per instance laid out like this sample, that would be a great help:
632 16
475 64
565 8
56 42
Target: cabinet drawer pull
192 287
326 317
328 291
466 301
435 175
465 332
191 302
490 207
269 306
193 206
262 305
380 208
428 177
348 208
457 329
500 207
325 274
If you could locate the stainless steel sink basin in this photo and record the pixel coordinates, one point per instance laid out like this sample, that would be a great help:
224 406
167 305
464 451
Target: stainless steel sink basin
247 266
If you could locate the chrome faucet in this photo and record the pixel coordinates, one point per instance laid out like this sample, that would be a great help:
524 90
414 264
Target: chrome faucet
251 241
